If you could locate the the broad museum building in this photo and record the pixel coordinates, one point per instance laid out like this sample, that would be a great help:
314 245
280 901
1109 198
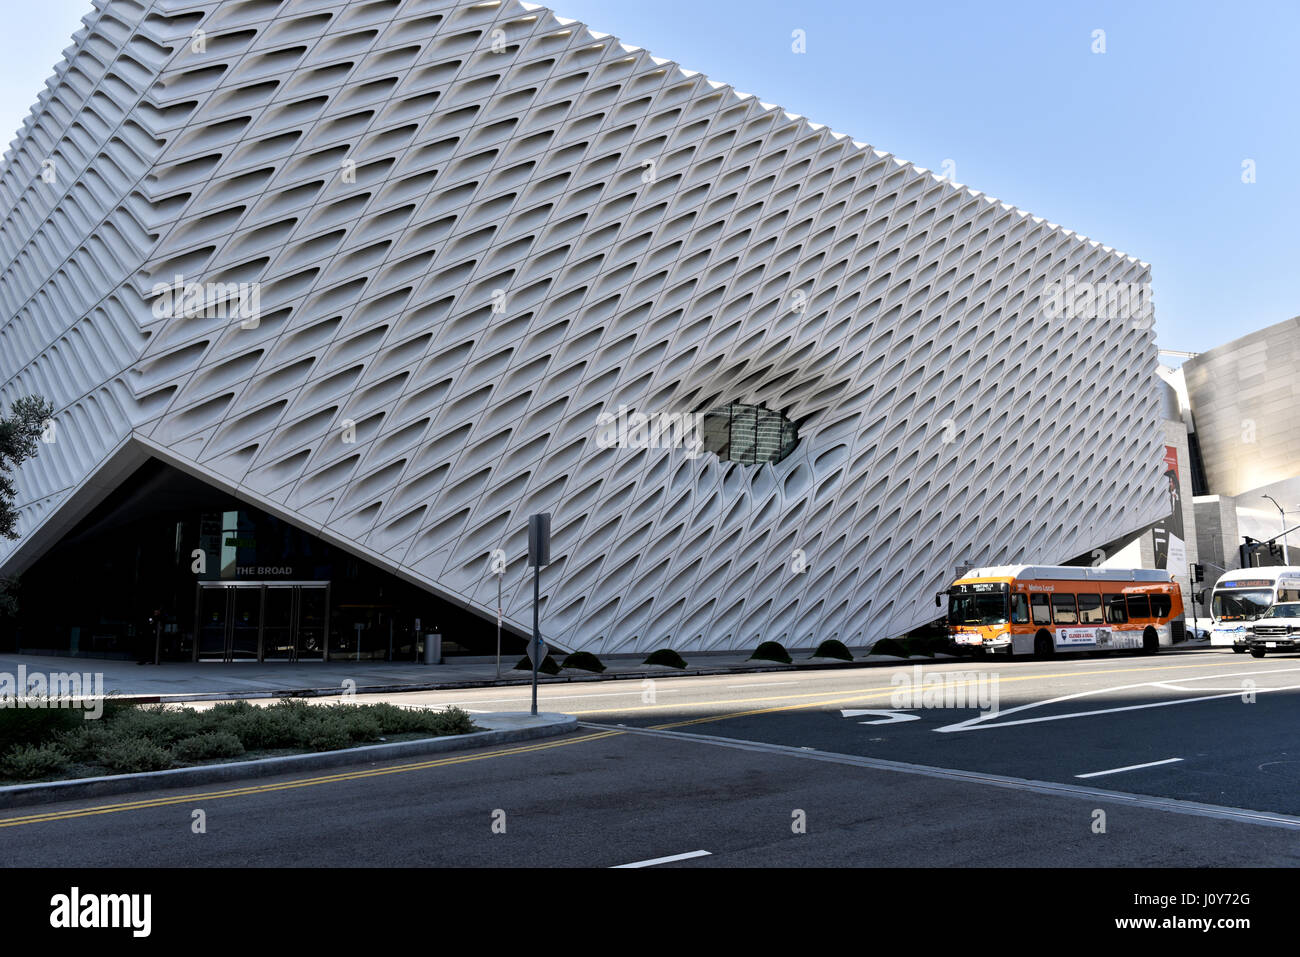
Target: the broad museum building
330 297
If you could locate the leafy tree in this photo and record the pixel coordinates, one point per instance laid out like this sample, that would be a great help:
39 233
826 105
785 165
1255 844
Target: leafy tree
19 437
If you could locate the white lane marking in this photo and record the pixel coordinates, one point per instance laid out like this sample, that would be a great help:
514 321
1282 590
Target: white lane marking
972 726
978 723
883 717
571 697
1131 767
1147 801
663 860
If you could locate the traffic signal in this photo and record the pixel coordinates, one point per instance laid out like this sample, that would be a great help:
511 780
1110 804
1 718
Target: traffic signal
1198 573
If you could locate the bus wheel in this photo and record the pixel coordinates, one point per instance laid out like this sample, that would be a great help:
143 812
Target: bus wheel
1257 652
1043 646
1150 642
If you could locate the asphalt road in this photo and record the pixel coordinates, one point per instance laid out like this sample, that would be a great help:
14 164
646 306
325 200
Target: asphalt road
768 770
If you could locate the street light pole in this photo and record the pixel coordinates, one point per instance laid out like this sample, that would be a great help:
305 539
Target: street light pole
1286 556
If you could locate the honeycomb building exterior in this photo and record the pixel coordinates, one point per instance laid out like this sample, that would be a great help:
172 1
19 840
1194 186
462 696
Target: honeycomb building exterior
398 274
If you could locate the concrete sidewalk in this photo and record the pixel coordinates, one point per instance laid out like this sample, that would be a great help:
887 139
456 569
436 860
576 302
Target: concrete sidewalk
182 681
185 681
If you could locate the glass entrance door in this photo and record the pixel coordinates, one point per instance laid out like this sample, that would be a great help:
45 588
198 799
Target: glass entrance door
214 616
278 615
262 621
245 624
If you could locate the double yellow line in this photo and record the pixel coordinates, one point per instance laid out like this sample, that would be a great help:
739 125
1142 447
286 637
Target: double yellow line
252 789
822 699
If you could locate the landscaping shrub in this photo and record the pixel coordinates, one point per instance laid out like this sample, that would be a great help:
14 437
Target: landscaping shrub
584 661
547 667
158 723
360 726
833 648
28 761
324 734
129 755
208 746
35 725
86 742
889 646
665 656
153 738
771 651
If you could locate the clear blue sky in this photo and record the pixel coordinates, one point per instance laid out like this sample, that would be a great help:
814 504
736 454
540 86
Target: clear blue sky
1140 147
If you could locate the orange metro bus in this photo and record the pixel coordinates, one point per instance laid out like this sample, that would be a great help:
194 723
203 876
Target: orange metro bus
1043 609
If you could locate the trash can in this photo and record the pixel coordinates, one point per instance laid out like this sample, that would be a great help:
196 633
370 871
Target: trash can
433 648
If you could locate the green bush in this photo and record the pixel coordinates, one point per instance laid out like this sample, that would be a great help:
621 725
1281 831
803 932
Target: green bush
207 746
890 646
39 725
395 719
665 656
86 742
129 755
359 726
325 734
584 661
159 723
547 667
771 651
833 648
28 761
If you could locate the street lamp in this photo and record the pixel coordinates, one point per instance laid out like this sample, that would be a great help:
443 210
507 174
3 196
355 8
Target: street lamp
1286 558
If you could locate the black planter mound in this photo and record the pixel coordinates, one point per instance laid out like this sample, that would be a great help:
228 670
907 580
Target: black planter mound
833 648
584 661
547 667
665 656
771 651
890 646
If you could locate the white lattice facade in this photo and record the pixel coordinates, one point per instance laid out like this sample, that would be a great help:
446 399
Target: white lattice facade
473 229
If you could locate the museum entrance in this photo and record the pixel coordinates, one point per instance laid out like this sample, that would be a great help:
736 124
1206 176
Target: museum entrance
261 621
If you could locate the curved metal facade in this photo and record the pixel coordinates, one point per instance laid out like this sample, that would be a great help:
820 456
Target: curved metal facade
1243 397
471 231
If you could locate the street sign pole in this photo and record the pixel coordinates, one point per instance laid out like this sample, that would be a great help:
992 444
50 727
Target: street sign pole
539 554
537 634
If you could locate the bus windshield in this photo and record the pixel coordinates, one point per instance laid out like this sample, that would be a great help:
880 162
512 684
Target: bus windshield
1246 604
983 608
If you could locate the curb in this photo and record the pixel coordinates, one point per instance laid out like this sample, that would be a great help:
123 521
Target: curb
21 795
541 681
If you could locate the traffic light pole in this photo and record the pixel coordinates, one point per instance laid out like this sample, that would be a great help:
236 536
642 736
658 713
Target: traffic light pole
1253 545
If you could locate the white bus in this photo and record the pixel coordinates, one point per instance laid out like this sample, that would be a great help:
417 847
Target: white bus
1241 596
